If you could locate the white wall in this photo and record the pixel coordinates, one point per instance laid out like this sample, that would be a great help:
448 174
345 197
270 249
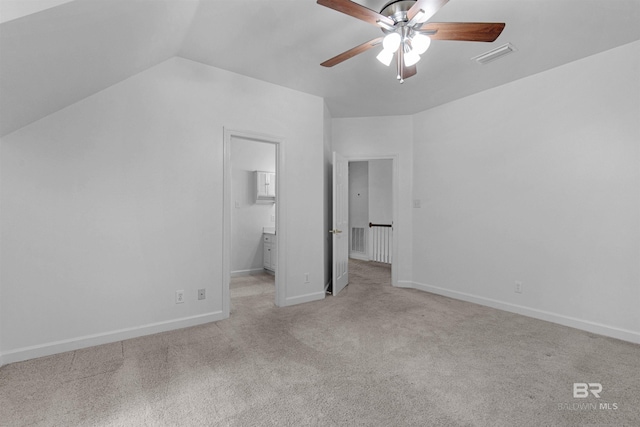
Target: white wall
328 194
370 192
14 9
380 191
248 217
537 181
112 204
371 137
358 194
2 362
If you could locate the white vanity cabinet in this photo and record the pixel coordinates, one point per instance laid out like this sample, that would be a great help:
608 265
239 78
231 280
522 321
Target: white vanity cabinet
270 251
266 187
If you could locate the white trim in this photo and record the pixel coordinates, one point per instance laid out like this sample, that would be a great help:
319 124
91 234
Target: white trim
408 284
358 255
249 272
56 347
395 158
327 285
280 279
585 325
315 296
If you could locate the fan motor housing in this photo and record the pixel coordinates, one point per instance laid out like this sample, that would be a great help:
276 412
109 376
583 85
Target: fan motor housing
397 9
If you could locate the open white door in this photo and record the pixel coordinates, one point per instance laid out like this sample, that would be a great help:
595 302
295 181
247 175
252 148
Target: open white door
340 230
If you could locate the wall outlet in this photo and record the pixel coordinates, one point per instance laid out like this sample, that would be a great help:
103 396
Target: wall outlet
201 294
518 288
306 277
179 297
417 203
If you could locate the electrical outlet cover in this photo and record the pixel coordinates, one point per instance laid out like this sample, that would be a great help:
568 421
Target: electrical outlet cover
518 287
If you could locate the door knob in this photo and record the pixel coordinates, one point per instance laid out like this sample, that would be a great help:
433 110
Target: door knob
334 231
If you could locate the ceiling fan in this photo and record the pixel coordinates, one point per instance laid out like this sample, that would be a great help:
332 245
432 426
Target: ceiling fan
407 32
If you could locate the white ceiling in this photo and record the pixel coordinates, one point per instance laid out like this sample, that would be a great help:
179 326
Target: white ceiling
57 56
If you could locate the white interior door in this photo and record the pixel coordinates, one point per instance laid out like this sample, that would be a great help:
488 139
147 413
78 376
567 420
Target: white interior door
340 230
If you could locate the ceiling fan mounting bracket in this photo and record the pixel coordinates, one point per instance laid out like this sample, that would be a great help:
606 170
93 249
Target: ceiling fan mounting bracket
397 10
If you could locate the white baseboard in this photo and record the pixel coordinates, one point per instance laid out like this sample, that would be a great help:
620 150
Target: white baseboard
48 349
247 272
360 256
304 298
585 325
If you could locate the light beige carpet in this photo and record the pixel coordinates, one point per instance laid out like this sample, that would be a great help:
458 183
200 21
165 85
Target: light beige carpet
373 356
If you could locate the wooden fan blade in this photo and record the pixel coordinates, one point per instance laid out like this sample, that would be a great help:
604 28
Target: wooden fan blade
404 72
430 7
351 52
464 31
357 11
409 72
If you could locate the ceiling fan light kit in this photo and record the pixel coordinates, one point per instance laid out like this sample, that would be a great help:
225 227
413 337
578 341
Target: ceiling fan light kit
386 56
407 31
412 43
420 43
410 56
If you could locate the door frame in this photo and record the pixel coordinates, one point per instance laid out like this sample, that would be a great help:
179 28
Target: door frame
280 283
340 204
395 188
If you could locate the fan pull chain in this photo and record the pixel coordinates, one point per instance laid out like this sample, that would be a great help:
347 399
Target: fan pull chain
400 65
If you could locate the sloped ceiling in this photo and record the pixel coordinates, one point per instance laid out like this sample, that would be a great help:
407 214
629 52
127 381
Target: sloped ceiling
58 56
55 57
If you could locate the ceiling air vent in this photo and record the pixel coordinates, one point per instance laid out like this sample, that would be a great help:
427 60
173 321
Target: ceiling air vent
494 54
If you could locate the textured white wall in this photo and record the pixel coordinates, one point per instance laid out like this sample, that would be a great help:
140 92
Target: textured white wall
248 217
327 194
2 362
380 191
358 194
112 204
14 9
537 181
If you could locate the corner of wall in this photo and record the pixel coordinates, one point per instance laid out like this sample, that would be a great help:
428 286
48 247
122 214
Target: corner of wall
501 195
328 148
47 349
560 319
1 299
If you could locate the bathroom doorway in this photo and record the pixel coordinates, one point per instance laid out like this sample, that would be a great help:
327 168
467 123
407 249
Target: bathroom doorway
252 192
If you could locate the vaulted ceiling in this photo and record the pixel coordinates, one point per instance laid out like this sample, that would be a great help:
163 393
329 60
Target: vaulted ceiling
52 57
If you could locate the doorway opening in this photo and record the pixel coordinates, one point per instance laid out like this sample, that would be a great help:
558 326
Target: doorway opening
372 199
371 210
371 216
252 222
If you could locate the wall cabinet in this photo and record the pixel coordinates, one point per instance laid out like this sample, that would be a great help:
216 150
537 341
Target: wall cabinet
270 252
266 186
